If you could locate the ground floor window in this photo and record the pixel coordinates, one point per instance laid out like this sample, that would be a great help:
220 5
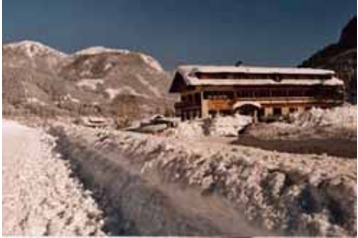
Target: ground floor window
225 112
293 109
261 112
212 113
277 111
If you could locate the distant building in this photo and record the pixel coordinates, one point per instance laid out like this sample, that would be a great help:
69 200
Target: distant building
257 91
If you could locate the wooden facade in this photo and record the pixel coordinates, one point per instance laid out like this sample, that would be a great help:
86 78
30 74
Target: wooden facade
259 94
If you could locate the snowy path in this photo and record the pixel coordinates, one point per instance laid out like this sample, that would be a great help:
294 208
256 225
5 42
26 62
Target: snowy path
39 196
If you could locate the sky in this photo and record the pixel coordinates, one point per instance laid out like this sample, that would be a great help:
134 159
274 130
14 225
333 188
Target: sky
257 32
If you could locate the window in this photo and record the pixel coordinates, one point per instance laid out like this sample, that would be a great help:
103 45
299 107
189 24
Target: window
244 94
277 111
262 93
295 93
190 98
279 93
261 112
197 97
293 109
219 95
212 113
183 98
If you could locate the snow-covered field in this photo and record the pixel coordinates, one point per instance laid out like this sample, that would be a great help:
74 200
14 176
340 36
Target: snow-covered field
39 195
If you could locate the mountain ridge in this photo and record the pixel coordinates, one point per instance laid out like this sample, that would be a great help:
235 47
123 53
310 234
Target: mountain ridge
38 79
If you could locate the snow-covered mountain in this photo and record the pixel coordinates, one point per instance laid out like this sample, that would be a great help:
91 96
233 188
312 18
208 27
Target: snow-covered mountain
41 80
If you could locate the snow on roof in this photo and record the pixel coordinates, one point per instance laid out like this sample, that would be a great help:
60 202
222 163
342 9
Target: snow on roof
251 69
227 82
189 77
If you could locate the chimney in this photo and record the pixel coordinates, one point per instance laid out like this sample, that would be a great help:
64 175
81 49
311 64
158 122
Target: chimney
238 63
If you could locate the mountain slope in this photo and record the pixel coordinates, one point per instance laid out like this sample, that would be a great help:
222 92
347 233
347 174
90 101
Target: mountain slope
341 57
95 81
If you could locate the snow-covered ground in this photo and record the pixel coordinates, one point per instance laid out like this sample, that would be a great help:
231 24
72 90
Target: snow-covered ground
39 195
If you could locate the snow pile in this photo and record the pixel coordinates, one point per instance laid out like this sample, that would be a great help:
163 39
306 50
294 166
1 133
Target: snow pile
220 126
345 117
338 122
187 129
229 126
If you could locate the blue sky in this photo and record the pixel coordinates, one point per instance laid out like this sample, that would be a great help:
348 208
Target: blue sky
258 32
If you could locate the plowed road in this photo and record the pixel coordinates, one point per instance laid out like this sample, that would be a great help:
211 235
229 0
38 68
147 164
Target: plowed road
39 196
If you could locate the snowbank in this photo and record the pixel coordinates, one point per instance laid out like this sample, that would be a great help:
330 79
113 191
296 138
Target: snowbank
306 195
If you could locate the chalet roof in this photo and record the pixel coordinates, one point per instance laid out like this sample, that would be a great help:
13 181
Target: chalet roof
186 76
251 69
